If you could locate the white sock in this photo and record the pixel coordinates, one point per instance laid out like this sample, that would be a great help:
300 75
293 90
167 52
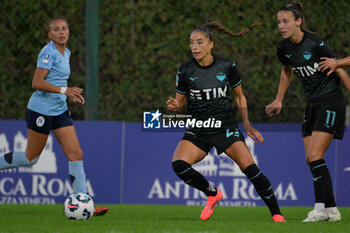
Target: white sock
319 206
332 209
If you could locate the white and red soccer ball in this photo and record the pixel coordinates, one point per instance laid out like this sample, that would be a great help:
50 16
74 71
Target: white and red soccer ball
79 206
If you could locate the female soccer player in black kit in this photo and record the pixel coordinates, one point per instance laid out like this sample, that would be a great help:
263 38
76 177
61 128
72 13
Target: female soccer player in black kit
203 83
324 117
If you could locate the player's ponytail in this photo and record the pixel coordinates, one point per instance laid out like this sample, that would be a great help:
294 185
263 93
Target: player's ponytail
207 30
298 11
218 26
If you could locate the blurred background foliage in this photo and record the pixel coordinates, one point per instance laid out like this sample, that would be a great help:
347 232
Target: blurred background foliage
142 43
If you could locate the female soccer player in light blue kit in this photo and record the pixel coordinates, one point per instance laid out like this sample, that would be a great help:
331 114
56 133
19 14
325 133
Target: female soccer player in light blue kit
47 109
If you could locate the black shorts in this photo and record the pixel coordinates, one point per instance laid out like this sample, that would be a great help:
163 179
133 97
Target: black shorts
221 141
325 116
44 124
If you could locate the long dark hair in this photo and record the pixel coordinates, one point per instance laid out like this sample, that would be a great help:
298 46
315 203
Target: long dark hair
298 11
208 30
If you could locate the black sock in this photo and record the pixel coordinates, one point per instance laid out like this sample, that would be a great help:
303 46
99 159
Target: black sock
330 201
263 187
193 178
322 183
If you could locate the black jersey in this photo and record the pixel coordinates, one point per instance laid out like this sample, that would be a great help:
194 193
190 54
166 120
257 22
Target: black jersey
304 58
206 89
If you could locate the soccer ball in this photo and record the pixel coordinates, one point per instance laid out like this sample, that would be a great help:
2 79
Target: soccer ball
79 206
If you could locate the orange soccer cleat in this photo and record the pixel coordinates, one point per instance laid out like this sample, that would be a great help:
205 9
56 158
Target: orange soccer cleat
100 210
278 218
208 210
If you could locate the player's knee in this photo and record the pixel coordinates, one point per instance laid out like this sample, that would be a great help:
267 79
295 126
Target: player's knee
180 166
312 156
75 155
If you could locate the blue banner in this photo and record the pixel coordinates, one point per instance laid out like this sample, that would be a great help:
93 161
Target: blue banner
281 158
48 182
342 168
126 164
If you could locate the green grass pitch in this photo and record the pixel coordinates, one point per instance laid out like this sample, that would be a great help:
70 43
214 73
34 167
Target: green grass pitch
163 219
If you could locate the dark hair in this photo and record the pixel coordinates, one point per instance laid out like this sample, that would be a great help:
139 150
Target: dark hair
48 23
207 30
298 11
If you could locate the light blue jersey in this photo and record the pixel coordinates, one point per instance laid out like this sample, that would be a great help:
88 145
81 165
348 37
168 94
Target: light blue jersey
48 103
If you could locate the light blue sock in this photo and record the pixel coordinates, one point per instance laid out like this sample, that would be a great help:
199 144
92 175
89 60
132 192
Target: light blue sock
77 176
13 160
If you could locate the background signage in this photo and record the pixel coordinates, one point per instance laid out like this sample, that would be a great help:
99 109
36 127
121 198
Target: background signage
126 164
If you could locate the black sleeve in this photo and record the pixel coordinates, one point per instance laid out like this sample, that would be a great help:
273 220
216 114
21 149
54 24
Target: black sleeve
181 84
281 54
234 76
322 49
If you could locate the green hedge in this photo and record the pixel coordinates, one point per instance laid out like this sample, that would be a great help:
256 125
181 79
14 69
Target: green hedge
142 42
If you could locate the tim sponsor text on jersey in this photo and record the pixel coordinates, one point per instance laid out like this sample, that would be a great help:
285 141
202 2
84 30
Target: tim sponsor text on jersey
209 93
306 71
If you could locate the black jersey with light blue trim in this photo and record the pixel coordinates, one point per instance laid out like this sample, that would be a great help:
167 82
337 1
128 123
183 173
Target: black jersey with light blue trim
207 91
304 58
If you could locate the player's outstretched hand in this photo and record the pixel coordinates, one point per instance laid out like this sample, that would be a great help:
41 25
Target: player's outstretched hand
274 108
327 63
75 94
253 133
173 104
